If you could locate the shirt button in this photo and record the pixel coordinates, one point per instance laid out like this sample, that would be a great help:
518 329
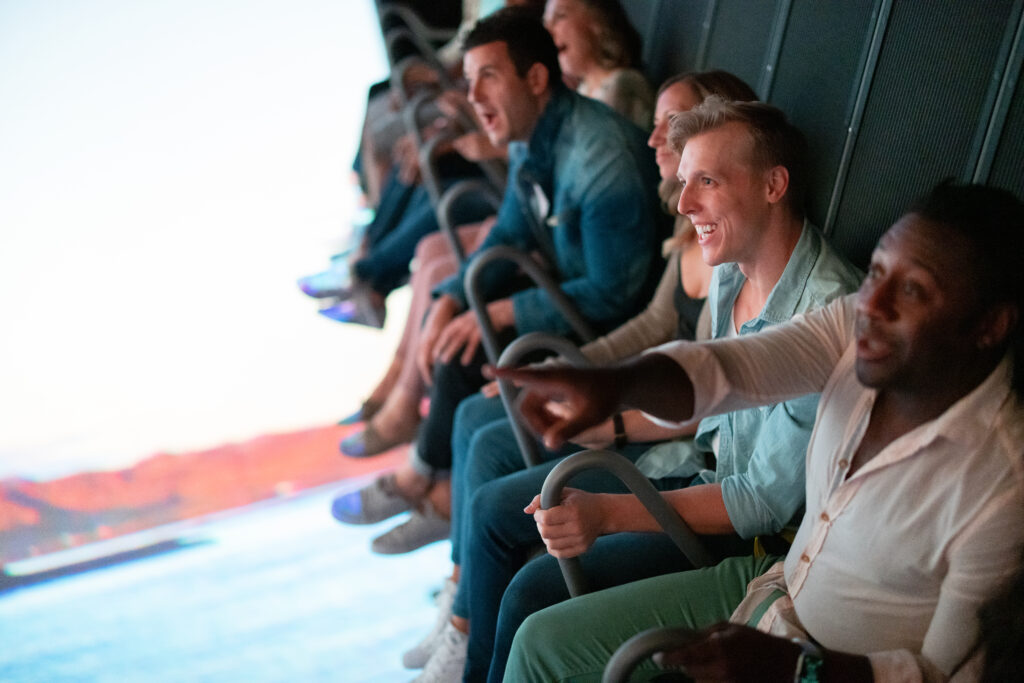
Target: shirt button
804 558
824 516
844 463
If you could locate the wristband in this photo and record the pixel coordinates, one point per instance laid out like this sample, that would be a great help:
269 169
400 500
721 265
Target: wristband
620 430
809 663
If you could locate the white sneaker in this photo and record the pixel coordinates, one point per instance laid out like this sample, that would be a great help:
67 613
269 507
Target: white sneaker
417 657
448 662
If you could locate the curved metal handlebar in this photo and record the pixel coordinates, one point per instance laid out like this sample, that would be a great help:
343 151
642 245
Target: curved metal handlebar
451 197
640 647
628 474
403 15
510 357
532 269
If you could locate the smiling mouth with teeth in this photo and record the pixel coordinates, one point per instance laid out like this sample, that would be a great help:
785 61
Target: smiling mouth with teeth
704 230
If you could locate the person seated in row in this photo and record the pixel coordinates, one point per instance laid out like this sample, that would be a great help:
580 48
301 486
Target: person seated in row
355 286
677 311
597 48
605 47
673 313
914 472
582 192
742 170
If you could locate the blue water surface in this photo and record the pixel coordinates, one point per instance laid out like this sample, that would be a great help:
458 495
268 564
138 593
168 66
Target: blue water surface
275 592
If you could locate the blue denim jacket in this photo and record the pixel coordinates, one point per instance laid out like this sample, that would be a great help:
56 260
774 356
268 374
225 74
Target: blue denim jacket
600 234
761 451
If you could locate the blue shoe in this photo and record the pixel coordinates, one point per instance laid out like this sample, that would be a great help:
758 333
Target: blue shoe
371 504
341 311
336 281
355 308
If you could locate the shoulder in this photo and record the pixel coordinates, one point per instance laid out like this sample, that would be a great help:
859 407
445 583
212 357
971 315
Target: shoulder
831 275
629 80
591 120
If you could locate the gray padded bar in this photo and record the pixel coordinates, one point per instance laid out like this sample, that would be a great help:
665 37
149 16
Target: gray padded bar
534 271
414 23
511 357
641 646
644 490
451 198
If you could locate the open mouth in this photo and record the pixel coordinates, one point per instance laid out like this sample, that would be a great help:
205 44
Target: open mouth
704 230
487 118
871 344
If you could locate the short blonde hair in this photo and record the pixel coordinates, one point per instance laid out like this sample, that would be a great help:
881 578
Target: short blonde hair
774 140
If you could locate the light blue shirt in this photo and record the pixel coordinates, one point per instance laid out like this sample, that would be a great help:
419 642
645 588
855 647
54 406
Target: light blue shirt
761 451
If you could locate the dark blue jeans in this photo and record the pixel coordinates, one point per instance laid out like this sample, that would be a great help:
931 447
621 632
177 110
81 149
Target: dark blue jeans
404 217
453 382
495 538
483 449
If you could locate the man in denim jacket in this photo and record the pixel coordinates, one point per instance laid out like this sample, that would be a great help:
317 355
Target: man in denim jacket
582 192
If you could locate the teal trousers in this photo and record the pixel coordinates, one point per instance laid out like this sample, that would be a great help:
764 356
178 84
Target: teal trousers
572 641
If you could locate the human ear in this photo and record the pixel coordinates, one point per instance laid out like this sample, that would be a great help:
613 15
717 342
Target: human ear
537 78
776 183
996 325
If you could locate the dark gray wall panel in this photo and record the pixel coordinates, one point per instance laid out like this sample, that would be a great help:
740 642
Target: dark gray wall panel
671 43
926 101
815 83
740 31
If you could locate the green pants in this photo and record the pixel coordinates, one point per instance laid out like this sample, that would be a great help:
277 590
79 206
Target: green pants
573 641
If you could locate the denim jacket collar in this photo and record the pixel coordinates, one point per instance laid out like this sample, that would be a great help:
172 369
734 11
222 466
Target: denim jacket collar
536 156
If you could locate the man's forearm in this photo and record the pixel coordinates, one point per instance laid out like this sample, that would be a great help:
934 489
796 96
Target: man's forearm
701 507
657 385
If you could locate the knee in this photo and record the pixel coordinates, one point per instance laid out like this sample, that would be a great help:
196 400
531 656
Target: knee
492 453
527 657
431 247
464 426
495 515
526 595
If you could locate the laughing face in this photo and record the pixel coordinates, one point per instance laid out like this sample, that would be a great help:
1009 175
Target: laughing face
724 196
575 34
676 98
917 310
507 104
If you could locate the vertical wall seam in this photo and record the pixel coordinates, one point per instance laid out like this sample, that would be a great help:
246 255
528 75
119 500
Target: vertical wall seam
705 35
779 25
884 11
1005 78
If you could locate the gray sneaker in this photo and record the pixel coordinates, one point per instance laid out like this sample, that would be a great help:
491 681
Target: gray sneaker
421 528
370 504
449 660
416 657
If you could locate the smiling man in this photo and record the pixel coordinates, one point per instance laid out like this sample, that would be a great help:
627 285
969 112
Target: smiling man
582 192
914 508
743 173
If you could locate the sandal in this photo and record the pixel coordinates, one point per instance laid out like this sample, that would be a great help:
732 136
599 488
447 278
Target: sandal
370 442
365 412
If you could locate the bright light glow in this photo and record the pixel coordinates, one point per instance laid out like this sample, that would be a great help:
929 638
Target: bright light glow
168 168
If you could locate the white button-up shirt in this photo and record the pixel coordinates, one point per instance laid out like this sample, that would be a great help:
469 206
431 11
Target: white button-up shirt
894 561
